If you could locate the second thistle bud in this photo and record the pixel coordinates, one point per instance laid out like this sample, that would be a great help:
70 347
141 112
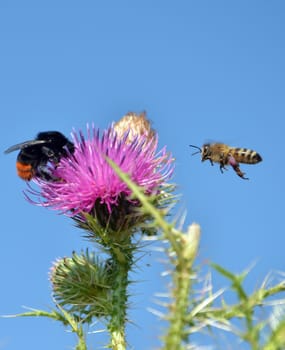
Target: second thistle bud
82 285
135 125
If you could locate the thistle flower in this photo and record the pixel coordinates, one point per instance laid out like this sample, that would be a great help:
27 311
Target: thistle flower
88 184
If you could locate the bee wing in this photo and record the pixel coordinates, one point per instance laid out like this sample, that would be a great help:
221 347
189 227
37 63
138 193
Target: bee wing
23 145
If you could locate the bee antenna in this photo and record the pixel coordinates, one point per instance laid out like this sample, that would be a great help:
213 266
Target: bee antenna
200 150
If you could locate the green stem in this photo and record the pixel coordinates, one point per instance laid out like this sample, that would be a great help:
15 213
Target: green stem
122 257
179 308
81 340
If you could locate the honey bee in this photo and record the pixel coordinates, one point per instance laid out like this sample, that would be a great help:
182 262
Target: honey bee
227 155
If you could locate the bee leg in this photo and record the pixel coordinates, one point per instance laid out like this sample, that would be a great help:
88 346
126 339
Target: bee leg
239 172
235 166
222 167
43 173
223 163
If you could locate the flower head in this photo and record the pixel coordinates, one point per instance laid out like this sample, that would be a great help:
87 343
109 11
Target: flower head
88 184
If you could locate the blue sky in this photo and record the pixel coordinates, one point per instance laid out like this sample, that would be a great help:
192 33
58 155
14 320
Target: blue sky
203 70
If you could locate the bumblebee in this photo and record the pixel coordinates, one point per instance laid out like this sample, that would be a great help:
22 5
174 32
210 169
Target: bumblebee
34 155
227 155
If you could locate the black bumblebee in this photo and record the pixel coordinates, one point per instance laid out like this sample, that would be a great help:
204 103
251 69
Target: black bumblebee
48 146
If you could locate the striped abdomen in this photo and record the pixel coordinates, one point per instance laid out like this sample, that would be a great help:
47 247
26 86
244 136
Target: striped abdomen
25 171
245 155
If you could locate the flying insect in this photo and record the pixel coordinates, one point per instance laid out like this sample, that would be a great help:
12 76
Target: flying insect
227 155
34 155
